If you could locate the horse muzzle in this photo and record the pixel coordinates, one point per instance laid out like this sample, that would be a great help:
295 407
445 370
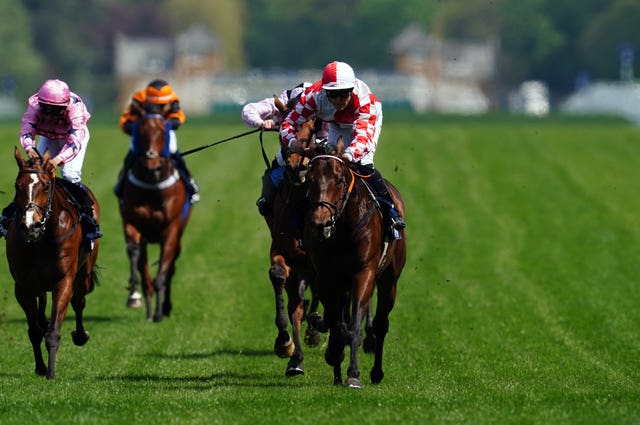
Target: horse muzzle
323 220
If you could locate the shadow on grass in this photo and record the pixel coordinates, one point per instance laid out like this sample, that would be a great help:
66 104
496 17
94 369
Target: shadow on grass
204 382
212 354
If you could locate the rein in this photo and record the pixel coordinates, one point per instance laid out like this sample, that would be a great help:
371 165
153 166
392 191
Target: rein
199 148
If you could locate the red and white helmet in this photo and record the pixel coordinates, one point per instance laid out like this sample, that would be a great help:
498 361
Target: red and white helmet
338 76
54 92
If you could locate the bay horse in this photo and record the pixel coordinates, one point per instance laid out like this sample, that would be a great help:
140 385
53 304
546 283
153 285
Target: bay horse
154 208
345 240
46 253
290 269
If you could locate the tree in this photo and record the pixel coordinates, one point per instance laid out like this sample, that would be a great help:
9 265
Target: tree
21 65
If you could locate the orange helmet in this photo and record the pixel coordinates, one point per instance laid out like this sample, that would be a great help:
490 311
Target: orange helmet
159 92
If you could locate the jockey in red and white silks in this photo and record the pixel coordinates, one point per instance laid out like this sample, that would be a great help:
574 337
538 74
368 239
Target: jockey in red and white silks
349 109
359 123
60 118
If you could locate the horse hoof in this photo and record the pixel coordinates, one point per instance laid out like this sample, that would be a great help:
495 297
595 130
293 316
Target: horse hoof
312 337
294 370
285 350
157 318
134 300
353 383
369 344
80 338
376 376
317 322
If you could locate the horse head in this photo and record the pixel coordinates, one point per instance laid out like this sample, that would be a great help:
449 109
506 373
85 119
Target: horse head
34 195
330 183
297 155
151 146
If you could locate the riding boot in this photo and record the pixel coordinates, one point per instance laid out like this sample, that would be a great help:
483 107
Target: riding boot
7 215
128 163
270 183
189 182
90 227
392 217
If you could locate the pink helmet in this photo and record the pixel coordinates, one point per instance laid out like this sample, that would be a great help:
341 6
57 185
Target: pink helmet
54 92
338 76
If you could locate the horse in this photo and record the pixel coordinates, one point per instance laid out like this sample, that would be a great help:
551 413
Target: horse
290 270
345 240
46 252
154 208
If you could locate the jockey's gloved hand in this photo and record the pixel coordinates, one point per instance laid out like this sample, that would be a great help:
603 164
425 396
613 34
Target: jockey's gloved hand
347 157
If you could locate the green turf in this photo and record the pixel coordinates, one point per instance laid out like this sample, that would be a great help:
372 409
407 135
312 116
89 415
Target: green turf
518 303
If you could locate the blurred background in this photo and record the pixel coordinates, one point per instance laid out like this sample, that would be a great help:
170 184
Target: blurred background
452 57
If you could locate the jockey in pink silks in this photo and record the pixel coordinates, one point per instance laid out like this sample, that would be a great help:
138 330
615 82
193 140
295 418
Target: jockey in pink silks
59 117
351 110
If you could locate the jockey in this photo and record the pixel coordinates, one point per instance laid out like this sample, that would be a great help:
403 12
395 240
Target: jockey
59 117
352 111
157 98
264 114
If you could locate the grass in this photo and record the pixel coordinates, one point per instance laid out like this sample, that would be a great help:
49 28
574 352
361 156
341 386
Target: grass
518 303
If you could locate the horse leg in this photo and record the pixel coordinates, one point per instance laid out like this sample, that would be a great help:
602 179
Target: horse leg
37 324
78 301
147 280
61 297
167 305
353 337
369 342
168 252
135 298
278 274
83 285
312 333
295 296
334 354
360 301
386 300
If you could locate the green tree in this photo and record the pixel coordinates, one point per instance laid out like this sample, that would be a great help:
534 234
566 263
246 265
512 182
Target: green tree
224 18
314 32
21 65
602 39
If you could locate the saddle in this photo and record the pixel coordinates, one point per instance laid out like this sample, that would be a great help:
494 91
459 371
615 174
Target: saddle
76 195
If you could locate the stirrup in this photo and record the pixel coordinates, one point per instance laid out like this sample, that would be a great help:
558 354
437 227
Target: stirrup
195 197
263 206
398 223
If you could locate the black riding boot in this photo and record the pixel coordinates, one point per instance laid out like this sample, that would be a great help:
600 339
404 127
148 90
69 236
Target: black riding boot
190 184
90 227
270 183
7 215
393 219
128 163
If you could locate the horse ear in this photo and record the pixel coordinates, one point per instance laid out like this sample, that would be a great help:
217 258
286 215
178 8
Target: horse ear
19 158
340 146
279 105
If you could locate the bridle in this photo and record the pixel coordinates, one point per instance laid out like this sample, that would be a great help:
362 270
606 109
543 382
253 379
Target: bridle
168 181
335 210
47 209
